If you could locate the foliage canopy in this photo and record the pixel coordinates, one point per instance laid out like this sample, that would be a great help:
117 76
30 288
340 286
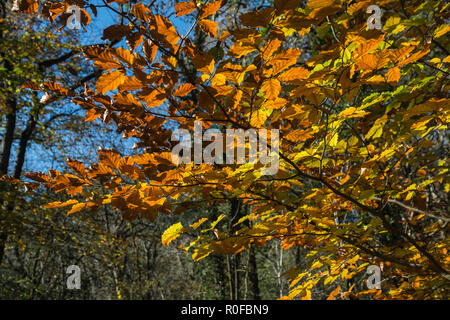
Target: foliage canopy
363 119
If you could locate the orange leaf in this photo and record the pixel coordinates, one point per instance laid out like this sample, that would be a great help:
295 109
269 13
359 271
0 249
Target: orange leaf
296 73
124 55
210 9
25 6
184 8
110 81
149 50
269 49
393 75
284 60
271 88
131 84
141 12
58 204
278 103
184 90
258 118
238 50
208 26
334 293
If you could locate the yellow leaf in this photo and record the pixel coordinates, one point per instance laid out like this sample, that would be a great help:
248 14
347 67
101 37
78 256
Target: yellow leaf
269 49
358 6
441 31
306 295
347 111
353 260
415 56
198 223
77 207
330 279
278 103
299 135
258 118
320 3
376 79
214 224
271 88
202 251
124 55
172 233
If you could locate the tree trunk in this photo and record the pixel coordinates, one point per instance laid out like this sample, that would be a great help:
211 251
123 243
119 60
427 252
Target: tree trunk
221 278
253 275
11 107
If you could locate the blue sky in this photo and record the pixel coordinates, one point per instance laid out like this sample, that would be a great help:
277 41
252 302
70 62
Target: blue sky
41 159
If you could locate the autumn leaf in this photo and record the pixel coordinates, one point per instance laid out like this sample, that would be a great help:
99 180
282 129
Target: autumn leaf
110 81
209 27
238 50
172 233
257 18
353 108
25 6
124 55
30 85
165 32
149 50
59 204
77 207
281 5
258 118
271 89
334 293
441 31
210 9
115 32
314 4
295 73
269 49
278 103
284 60
198 223
141 12
184 90
393 76
204 62
184 8
131 84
